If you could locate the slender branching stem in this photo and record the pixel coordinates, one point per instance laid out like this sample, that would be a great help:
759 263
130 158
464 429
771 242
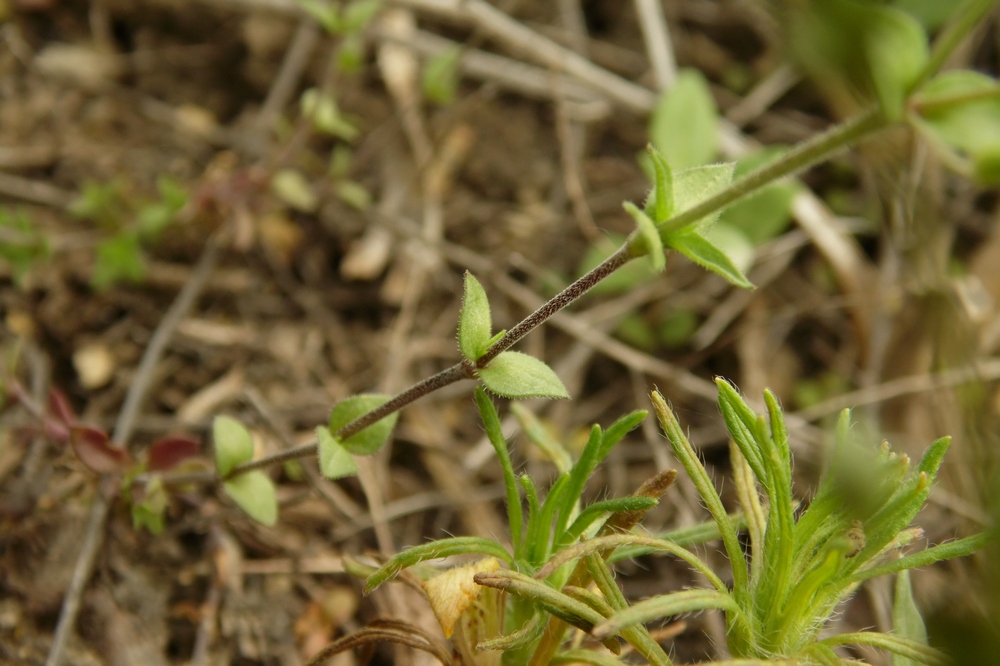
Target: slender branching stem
557 303
803 155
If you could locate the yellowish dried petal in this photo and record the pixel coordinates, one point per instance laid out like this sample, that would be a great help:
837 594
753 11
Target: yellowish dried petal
452 592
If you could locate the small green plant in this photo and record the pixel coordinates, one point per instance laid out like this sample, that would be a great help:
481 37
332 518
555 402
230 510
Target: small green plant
531 599
131 225
22 246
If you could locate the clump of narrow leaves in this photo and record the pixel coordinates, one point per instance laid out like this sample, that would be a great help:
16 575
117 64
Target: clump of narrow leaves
799 571
796 575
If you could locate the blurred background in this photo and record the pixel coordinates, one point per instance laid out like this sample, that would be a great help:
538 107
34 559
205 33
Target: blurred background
324 173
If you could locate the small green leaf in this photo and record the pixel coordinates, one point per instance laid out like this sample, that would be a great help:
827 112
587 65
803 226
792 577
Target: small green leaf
119 259
439 79
149 512
684 124
959 112
474 322
233 444
354 194
254 493
359 14
906 619
692 186
660 204
371 439
870 51
292 188
517 375
327 15
648 241
335 462
700 250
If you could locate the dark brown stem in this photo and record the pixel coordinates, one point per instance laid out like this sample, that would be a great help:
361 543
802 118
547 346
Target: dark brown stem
557 303
444 378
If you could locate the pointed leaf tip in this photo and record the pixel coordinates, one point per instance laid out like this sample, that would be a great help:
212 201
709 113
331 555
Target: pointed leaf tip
335 462
254 493
474 322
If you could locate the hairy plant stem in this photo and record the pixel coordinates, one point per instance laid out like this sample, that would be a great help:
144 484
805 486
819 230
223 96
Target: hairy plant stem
806 154
798 158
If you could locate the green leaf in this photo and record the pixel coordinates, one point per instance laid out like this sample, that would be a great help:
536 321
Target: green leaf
25 247
372 438
647 241
254 493
233 444
959 112
897 51
359 14
873 52
516 375
684 124
930 13
906 619
733 243
432 551
293 189
326 117
474 322
149 512
692 186
660 204
666 605
491 421
327 15
700 250
335 462
119 259
439 78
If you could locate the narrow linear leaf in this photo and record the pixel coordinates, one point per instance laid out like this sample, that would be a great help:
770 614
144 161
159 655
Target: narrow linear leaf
517 375
896 644
540 437
944 551
474 322
434 550
491 421
700 250
335 462
559 604
233 444
372 438
666 605
254 493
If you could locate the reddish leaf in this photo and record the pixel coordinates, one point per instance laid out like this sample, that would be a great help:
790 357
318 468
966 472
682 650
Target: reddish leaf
93 447
59 407
168 452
